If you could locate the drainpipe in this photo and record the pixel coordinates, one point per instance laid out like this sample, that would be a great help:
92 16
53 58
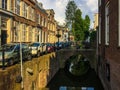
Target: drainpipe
97 49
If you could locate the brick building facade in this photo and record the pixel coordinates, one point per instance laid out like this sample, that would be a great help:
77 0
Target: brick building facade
109 44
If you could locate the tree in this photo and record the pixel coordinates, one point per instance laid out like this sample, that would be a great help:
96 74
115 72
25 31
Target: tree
70 12
93 36
78 26
86 27
86 23
74 21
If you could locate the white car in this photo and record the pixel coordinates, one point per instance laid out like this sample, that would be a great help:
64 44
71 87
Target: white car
37 48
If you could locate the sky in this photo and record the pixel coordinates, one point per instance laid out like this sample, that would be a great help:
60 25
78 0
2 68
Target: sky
88 7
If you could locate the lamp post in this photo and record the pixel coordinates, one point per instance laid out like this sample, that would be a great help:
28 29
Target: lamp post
3 59
21 62
58 36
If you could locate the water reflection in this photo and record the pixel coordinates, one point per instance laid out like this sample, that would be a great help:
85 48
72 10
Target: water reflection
65 80
76 88
79 65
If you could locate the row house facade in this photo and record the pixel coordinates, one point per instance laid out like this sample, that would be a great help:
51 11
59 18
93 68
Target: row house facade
25 21
109 44
51 26
95 21
42 23
63 32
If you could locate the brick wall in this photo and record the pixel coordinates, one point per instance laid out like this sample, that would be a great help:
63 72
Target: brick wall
110 54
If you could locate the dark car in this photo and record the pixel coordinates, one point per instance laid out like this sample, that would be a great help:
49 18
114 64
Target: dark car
58 45
50 47
12 53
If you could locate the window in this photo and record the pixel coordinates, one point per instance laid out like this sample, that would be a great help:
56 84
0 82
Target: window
30 34
107 24
4 4
44 22
17 7
17 33
108 71
39 18
23 32
25 9
32 14
4 22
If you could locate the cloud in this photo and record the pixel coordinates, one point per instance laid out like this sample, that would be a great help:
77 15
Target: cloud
60 10
58 6
88 7
92 4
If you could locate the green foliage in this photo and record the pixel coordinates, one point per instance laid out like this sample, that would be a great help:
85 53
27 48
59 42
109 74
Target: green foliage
86 23
93 36
78 26
86 34
70 11
86 26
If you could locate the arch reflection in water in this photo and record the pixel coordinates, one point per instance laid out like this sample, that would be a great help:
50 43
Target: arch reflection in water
78 65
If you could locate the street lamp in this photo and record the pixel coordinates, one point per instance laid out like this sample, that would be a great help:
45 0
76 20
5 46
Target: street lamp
58 36
21 62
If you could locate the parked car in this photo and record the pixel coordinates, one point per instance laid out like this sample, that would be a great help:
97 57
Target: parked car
49 47
12 53
58 45
37 48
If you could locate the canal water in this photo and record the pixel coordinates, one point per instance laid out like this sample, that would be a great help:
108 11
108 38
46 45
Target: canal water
65 80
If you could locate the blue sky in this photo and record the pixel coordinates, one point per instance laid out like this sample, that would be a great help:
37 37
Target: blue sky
88 7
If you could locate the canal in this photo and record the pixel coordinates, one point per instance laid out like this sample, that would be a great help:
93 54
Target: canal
64 80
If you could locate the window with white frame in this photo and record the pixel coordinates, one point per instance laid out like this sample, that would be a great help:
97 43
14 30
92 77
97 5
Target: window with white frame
28 11
25 9
32 14
99 35
17 7
39 19
30 34
43 21
18 26
4 4
107 24
24 32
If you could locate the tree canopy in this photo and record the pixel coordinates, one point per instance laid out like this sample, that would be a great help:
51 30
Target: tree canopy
80 26
70 12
